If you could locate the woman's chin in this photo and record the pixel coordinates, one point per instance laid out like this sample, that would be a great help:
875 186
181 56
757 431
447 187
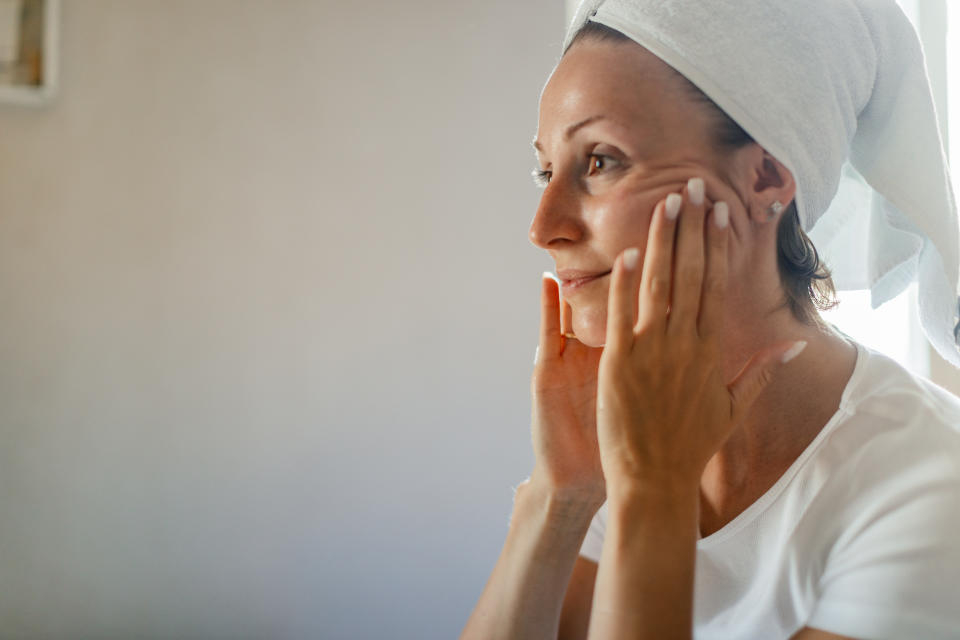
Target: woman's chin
590 328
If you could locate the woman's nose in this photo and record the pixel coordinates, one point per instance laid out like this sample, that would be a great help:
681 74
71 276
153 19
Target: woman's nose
557 218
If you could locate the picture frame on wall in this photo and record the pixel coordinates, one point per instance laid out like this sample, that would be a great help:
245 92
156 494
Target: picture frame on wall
29 50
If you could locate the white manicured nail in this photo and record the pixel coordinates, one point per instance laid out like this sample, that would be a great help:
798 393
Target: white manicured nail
536 355
630 257
794 351
672 208
695 190
721 215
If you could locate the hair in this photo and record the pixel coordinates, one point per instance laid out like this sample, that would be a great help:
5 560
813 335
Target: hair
806 280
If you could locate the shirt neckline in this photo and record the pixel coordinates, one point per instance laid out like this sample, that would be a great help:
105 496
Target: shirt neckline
754 510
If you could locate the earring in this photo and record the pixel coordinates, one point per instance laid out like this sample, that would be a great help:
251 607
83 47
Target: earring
775 209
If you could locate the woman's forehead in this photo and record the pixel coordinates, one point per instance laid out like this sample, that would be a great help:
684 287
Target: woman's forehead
628 87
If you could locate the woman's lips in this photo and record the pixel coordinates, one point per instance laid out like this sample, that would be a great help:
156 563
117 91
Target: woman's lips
571 282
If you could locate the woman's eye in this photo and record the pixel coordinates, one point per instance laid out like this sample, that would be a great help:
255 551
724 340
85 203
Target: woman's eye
598 163
541 178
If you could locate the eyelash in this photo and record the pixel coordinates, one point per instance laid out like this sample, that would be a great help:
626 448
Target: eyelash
541 177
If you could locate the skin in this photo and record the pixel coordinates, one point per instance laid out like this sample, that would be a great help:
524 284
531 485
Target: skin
672 402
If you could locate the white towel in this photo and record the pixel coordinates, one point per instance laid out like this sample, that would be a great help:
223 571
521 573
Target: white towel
837 91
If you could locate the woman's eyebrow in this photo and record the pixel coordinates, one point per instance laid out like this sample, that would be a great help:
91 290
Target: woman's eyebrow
571 129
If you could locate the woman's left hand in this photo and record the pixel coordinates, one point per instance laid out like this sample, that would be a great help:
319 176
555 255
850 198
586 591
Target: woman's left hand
663 406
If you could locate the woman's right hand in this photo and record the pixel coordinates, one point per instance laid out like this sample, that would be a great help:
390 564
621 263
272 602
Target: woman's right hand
564 392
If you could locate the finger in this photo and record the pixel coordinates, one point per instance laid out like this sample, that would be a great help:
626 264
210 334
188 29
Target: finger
622 305
657 263
549 317
715 280
757 374
689 261
566 324
566 318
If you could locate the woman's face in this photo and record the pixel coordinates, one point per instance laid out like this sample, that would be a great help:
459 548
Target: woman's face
617 133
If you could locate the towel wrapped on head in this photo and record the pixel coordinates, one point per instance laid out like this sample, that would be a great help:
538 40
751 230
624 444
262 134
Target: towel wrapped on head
837 91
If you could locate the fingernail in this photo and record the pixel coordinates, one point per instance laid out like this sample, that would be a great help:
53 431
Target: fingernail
630 257
794 351
695 189
672 208
721 215
536 355
547 274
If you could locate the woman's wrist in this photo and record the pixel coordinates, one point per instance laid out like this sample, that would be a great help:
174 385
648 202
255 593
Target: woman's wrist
567 496
636 498
560 508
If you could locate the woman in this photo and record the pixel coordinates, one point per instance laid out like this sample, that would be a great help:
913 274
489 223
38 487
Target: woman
712 459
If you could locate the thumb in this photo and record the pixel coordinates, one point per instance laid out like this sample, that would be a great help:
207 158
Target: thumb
758 372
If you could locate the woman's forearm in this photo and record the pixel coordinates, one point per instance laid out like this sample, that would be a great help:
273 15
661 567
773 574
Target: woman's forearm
645 579
524 595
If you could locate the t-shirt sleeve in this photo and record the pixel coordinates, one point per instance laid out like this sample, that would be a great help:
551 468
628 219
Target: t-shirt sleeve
593 541
895 570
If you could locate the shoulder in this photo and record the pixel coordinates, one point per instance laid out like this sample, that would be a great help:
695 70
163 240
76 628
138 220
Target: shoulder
887 409
891 554
890 466
887 390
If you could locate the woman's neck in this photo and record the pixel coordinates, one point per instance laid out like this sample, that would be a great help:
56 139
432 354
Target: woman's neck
788 415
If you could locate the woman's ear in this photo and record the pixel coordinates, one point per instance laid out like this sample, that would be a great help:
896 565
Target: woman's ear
772 183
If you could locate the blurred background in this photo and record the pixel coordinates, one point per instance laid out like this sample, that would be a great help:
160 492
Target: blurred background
268 313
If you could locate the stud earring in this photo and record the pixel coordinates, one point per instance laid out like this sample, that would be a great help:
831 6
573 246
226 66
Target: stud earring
775 209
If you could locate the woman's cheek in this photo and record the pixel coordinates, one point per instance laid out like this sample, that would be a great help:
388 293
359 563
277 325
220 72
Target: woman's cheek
626 217
620 221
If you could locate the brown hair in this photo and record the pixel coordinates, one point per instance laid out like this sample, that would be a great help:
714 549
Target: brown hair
806 281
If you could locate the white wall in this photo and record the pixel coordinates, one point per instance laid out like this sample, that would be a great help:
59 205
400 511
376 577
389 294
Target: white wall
267 316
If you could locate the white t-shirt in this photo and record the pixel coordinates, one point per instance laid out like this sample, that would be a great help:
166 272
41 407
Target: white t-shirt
860 536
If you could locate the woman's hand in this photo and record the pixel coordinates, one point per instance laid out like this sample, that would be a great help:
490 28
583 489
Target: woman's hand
564 391
664 408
